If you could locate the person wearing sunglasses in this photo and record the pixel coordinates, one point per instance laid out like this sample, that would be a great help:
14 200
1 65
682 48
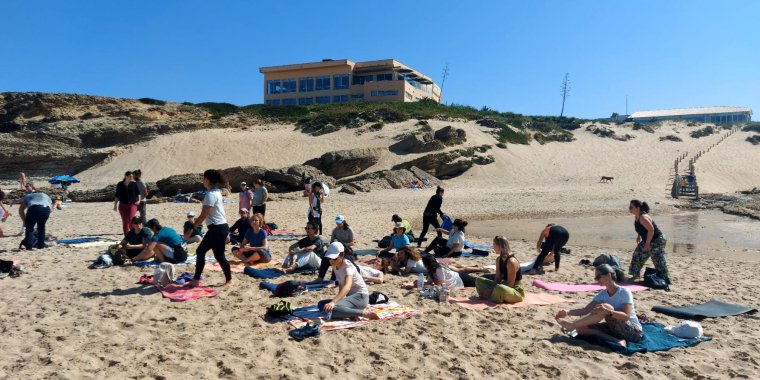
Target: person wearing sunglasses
610 315
305 253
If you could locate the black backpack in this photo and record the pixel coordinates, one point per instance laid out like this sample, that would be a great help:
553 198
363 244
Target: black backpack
655 280
288 289
385 242
279 310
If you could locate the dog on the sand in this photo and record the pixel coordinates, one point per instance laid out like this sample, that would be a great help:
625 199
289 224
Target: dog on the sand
606 179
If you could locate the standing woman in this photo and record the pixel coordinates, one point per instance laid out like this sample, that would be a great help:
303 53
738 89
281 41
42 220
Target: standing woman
260 198
650 241
126 200
429 216
315 205
552 239
216 221
507 286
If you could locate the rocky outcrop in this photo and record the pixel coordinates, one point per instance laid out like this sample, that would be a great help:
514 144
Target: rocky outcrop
450 136
413 177
428 141
105 194
181 183
450 164
345 163
243 174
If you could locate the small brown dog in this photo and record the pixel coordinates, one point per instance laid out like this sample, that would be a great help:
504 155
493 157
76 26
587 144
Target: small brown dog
606 179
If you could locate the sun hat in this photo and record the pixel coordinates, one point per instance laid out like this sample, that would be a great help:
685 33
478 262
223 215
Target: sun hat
399 225
334 250
190 213
340 219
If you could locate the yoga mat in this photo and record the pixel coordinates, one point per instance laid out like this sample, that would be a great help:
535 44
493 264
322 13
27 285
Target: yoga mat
530 299
78 240
391 310
560 287
447 223
473 254
655 339
281 231
483 247
365 252
181 293
268 273
710 309
237 266
286 236
271 286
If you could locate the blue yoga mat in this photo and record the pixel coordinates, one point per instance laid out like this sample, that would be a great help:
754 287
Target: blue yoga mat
269 272
271 286
78 240
655 339
365 252
447 223
469 245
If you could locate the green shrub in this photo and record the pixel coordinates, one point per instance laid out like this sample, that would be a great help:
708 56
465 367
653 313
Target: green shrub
152 102
219 110
752 127
706 131
501 145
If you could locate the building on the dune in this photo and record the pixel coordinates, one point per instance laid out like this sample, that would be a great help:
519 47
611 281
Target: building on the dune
717 115
342 80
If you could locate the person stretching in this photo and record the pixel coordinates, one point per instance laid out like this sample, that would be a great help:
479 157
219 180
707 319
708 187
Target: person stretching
552 239
429 216
353 295
439 274
216 220
453 246
650 241
506 286
254 248
610 315
166 245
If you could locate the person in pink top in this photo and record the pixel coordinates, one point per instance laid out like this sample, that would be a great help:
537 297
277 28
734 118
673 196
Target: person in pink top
246 197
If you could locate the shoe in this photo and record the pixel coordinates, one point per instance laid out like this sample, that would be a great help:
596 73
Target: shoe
308 330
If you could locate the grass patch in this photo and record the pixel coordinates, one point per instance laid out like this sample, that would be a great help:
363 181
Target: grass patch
752 127
501 145
219 110
151 101
706 131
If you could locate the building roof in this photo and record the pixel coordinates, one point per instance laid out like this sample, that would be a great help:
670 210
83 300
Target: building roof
357 67
689 111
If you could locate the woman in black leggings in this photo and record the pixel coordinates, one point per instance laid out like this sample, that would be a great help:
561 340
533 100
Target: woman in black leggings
552 239
430 215
216 221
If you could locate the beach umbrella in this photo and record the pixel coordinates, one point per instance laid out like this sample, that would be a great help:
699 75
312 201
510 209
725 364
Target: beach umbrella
63 178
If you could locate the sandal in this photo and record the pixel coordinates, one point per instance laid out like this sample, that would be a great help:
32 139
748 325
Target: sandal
145 280
308 330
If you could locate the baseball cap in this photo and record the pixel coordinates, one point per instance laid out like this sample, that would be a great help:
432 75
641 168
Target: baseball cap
243 183
340 219
334 250
190 213
243 210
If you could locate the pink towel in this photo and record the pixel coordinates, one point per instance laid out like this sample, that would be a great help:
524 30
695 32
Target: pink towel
560 287
237 266
180 293
538 299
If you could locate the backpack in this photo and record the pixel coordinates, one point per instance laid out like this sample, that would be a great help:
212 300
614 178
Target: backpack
273 226
385 242
279 310
289 289
377 298
164 275
117 257
655 280
606 258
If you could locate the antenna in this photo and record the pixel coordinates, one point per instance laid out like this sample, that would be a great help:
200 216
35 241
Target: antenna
626 104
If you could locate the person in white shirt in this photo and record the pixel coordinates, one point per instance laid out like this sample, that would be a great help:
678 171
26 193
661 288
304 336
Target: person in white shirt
218 229
353 296
440 274
451 247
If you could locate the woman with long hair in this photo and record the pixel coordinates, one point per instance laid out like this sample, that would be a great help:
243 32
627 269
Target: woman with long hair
506 286
126 200
353 296
454 245
650 241
441 274
216 220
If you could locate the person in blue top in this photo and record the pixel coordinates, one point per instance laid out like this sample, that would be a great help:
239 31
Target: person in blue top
399 240
166 245
254 248
218 230
34 211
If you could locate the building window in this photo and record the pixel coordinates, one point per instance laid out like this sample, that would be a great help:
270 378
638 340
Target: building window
384 93
361 79
323 99
289 102
340 82
306 84
383 77
357 97
305 101
323 83
408 95
288 85
273 87
273 102
340 98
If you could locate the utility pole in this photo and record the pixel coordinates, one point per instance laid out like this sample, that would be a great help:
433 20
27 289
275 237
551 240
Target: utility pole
565 92
626 105
443 79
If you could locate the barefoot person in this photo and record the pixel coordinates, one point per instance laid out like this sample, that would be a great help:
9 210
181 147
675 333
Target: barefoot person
254 248
245 197
22 179
126 200
552 239
353 295
142 188
35 210
506 286
451 247
440 274
610 315
216 220
260 198
429 216
305 253
649 242
137 239
4 213
166 245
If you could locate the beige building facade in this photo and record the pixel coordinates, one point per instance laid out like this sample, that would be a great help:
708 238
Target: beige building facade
342 81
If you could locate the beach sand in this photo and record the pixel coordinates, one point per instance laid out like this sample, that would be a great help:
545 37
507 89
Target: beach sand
62 320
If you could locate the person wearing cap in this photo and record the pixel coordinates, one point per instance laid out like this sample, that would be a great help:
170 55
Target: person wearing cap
245 200
398 241
240 227
192 234
260 198
342 233
166 245
303 254
407 226
137 238
254 248
353 296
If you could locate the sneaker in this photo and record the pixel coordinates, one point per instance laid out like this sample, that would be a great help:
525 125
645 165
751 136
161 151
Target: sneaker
308 330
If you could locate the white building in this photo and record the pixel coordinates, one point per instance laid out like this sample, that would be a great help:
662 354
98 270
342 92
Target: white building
715 115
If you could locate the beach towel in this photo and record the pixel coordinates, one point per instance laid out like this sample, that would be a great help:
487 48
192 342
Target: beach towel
447 223
286 236
530 299
281 231
711 309
560 287
152 263
181 293
655 339
271 286
365 252
78 240
390 310
485 247
268 273
237 266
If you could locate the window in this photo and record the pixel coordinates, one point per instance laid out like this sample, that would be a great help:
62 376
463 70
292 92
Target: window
306 84
340 82
289 102
408 95
340 98
384 93
361 79
305 101
323 83
273 102
383 77
273 87
357 97
323 99
288 85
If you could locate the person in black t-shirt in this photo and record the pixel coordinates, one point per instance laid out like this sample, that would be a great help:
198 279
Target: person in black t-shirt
137 238
306 253
429 216
126 200
190 233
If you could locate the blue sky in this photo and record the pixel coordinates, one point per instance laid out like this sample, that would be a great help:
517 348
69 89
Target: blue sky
508 55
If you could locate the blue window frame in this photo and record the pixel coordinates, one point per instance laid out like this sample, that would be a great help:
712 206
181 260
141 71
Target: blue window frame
306 84
383 77
357 97
305 101
340 98
384 93
273 102
273 87
289 102
340 82
361 79
288 86
323 99
323 83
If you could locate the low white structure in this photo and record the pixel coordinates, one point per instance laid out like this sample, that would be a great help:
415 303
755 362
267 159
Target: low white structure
716 115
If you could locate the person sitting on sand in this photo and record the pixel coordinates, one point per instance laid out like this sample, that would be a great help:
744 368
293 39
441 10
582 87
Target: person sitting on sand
407 261
398 240
240 227
610 315
649 242
552 239
506 286
440 274
137 239
254 248
343 233
166 245
353 295
407 226
451 247
191 233
306 253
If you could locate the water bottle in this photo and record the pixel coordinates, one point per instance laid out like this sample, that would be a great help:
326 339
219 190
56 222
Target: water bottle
420 281
443 294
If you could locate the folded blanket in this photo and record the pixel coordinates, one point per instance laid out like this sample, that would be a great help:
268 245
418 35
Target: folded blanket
391 310
530 299
180 293
271 286
711 309
655 339
560 287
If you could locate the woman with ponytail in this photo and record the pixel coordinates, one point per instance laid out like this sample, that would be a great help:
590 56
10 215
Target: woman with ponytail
216 221
650 241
